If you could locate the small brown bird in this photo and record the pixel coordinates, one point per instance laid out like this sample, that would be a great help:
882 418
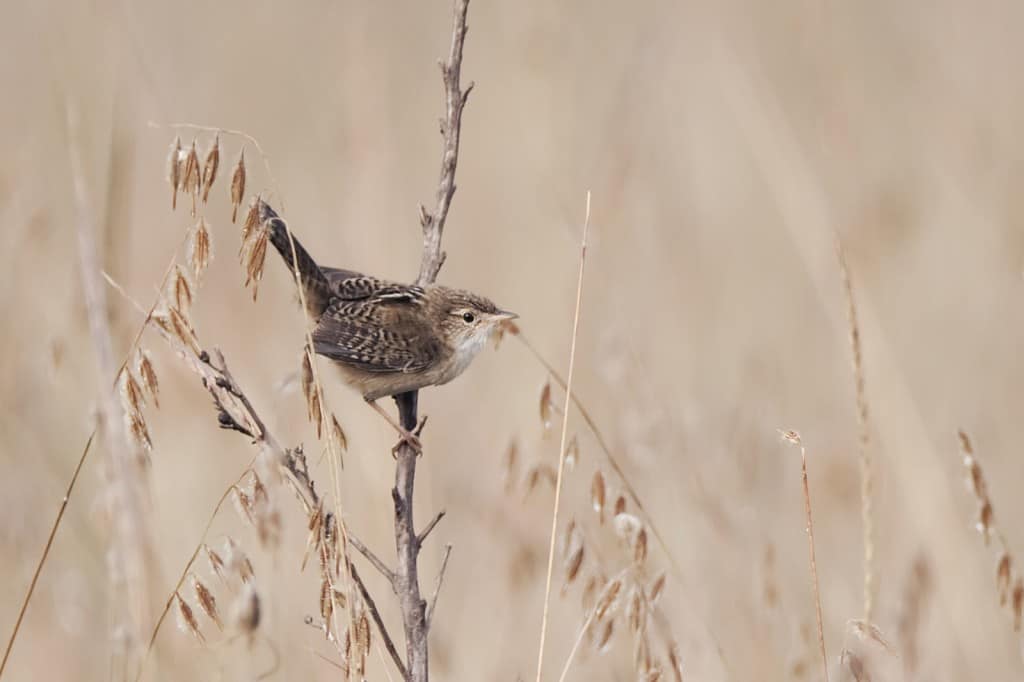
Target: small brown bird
387 338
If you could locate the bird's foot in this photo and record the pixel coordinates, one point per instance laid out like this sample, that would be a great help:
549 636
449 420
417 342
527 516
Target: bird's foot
407 439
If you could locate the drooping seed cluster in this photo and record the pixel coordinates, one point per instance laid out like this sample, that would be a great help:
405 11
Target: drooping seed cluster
606 553
253 495
1009 583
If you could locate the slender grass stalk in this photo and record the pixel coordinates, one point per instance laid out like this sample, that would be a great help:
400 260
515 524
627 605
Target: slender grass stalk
561 447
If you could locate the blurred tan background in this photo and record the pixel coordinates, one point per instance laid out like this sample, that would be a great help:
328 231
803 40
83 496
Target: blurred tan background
724 143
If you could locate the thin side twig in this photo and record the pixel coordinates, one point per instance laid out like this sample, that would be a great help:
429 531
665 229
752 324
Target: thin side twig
437 585
373 559
561 447
372 606
430 526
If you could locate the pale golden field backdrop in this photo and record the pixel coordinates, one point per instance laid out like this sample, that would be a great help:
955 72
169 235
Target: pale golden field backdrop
725 145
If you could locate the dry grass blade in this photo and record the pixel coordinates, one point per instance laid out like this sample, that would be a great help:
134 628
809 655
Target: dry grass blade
561 447
863 425
793 438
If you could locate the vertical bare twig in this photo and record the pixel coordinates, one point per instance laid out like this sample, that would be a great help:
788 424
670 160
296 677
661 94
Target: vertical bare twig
794 438
407 542
561 447
451 127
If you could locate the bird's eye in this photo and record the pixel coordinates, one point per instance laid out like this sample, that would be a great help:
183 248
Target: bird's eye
468 317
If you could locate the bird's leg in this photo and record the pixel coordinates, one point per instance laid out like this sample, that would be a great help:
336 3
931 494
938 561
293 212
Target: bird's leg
407 437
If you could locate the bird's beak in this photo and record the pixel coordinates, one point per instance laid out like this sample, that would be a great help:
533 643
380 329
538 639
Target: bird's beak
503 315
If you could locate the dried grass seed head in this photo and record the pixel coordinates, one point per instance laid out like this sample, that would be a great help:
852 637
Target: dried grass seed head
144 367
174 167
210 167
237 185
200 249
206 601
187 620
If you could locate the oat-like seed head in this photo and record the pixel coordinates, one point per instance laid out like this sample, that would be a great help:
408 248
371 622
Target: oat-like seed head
242 505
657 587
191 176
572 453
215 561
182 290
187 620
1004 571
210 166
206 601
597 494
607 600
144 367
174 171
237 185
201 249
236 561
251 222
546 406
257 258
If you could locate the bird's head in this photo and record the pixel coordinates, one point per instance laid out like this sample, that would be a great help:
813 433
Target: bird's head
467 320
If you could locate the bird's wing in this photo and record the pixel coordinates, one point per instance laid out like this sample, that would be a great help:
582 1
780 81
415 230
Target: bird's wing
348 285
376 334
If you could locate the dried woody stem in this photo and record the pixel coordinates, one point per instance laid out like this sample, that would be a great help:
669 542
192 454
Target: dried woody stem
407 541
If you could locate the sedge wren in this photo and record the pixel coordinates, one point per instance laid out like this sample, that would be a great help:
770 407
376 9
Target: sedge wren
387 338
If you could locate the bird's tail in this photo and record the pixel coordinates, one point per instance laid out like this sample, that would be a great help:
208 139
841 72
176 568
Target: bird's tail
315 287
